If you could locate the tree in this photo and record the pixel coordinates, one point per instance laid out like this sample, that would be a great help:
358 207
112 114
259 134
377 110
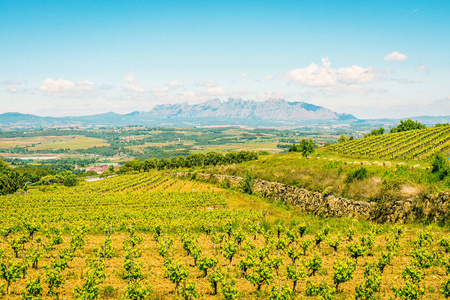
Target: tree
379 131
70 180
305 146
406 125
10 180
342 138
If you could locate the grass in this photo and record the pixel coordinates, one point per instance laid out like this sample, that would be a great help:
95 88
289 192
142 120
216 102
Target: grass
319 174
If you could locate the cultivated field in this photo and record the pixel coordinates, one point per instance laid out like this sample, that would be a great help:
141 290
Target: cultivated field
52 142
407 145
117 237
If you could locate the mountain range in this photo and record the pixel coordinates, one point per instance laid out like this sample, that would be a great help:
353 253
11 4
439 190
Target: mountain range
213 112
277 112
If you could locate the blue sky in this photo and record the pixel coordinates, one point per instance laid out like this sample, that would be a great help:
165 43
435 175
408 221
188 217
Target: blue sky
369 58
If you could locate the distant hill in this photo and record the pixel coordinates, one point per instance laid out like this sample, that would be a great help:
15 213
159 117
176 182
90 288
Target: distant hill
419 144
213 112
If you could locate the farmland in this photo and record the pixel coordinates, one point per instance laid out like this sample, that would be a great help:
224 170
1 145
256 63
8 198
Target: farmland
408 145
125 143
71 142
120 236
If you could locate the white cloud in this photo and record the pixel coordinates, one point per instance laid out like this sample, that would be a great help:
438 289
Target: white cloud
176 83
215 91
132 85
397 56
56 86
244 75
422 68
85 85
67 88
161 91
129 77
348 79
269 77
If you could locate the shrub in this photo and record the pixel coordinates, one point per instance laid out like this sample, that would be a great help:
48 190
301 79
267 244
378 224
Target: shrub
358 174
409 291
305 146
440 166
343 271
367 289
323 290
328 191
70 180
247 183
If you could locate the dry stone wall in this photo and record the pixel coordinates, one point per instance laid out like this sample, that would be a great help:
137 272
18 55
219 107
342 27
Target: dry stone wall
433 208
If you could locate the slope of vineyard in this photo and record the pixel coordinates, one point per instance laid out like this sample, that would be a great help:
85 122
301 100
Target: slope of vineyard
414 144
115 238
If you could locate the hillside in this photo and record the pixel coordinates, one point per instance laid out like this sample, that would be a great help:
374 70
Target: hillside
414 144
164 237
325 174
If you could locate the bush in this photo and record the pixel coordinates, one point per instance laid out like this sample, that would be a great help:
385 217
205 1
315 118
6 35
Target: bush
305 146
328 191
323 290
358 174
49 179
247 183
70 180
440 166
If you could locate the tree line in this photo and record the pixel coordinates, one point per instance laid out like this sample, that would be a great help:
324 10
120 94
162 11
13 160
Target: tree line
10 180
193 160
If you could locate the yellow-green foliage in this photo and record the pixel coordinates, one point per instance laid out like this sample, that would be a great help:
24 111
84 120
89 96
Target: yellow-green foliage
419 144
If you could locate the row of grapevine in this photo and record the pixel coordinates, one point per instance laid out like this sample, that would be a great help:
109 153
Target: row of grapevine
87 243
415 144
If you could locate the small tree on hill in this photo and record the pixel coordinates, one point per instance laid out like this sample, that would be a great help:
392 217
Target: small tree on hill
342 139
379 131
406 125
70 180
305 146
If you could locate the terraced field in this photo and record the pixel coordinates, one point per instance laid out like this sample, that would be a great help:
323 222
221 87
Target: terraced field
414 144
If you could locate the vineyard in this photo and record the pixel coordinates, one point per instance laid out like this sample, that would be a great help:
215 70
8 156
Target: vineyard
151 236
414 144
